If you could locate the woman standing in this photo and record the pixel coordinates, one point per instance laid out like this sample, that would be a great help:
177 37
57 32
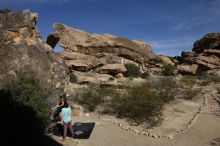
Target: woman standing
67 120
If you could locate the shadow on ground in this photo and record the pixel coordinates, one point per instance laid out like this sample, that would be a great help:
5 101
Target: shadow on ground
20 126
81 130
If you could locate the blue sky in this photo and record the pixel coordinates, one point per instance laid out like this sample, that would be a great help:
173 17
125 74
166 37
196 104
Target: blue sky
169 26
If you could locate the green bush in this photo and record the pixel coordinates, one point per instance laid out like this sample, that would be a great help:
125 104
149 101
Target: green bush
169 70
166 95
190 93
164 83
155 60
25 111
140 104
145 75
166 87
73 78
89 97
188 82
132 70
93 96
111 79
28 91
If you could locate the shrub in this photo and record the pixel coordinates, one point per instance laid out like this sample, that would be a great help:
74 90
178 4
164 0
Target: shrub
208 78
131 78
145 75
111 79
188 82
24 110
140 104
89 97
169 70
132 70
163 83
166 95
29 92
166 87
73 78
190 93
155 60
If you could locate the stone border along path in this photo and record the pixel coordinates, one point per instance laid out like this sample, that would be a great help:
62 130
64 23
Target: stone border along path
171 135
215 98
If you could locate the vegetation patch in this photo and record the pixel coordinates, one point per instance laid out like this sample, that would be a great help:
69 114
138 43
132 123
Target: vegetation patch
24 110
140 104
73 78
132 70
169 70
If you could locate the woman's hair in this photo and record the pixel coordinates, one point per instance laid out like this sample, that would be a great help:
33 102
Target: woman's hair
66 105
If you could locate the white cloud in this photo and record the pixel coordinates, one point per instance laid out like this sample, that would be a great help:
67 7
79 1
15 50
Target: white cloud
180 43
199 14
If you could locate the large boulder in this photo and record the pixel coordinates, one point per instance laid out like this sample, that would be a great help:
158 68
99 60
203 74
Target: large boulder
205 53
90 77
165 60
208 62
74 40
80 62
83 42
187 69
212 52
112 69
209 41
23 50
102 54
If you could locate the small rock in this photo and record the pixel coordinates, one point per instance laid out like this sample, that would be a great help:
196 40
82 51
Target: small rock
120 125
137 131
87 114
145 133
170 136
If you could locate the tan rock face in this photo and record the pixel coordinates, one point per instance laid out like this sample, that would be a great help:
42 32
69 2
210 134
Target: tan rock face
89 77
80 61
91 44
187 69
165 60
206 53
103 54
112 69
211 62
212 52
209 41
22 50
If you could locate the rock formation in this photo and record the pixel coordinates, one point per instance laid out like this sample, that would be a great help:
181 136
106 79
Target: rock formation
187 69
98 54
205 54
22 50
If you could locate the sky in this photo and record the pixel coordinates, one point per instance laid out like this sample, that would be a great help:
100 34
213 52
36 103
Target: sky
169 26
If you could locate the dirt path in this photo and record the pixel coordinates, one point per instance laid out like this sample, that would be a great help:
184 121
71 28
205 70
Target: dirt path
204 132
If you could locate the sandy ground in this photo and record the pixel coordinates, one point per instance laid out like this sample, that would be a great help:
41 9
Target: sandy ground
204 132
